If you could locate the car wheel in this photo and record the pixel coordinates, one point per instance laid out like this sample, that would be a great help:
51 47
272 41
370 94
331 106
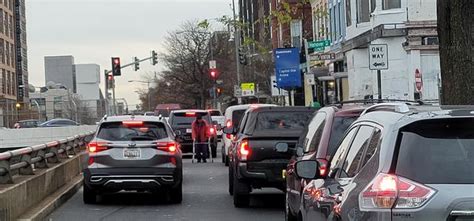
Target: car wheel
89 196
176 194
288 215
231 181
241 194
223 155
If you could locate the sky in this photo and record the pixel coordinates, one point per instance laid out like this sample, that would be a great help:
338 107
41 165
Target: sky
93 31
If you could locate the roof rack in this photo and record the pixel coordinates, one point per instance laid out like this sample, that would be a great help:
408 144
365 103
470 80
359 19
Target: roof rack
378 101
398 107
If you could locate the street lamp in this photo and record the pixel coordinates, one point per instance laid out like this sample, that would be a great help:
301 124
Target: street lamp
149 90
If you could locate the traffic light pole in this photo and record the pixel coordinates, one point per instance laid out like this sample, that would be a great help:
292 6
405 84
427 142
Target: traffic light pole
237 46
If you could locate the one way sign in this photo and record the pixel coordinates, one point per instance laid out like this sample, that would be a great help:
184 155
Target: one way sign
378 57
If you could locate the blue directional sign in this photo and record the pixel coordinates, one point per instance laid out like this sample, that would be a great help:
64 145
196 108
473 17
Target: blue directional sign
287 66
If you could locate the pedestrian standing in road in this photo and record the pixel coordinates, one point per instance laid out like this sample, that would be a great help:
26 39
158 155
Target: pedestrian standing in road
200 135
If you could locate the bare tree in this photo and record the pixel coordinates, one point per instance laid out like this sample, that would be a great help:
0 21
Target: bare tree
456 32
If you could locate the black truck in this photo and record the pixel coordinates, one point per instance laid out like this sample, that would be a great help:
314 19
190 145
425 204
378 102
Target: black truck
265 141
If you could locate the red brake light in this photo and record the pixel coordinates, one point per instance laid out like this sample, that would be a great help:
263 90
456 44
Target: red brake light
169 147
323 167
190 114
132 123
212 130
95 147
228 124
388 191
244 150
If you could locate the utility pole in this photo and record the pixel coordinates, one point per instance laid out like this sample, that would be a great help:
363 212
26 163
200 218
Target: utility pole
237 46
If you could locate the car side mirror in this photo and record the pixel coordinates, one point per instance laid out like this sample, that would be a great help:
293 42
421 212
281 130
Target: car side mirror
307 169
281 147
299 151
178 133
335 189
88 138
229 130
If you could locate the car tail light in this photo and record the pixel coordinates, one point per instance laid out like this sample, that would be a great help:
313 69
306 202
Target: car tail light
323 167
132 123
212 130
95 147
244 150
190 114
228 123
388 191
229 136
167 146
314 193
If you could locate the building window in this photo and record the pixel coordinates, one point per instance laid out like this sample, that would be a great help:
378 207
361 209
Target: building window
372 5
390 4
341 20
5 22
11 27
1 21
8 83
7 52
348 13
4 82
363 14
12 49
2 51
296 32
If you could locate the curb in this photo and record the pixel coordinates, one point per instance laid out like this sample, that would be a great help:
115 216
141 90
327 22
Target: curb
51 203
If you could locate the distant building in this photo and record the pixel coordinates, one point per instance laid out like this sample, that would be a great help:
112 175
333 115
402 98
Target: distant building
21 51
8 76
54 103
61 70
88 88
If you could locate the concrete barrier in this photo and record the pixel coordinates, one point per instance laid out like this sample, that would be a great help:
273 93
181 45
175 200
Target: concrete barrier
17 138
29 191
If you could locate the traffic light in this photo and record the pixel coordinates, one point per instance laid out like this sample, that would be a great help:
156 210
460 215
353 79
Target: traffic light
116 68
242 57
136 64
110 81
213 74
154 58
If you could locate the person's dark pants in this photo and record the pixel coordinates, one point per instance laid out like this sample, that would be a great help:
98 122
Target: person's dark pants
201 151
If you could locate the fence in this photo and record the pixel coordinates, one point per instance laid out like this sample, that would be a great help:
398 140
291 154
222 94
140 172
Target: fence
23 161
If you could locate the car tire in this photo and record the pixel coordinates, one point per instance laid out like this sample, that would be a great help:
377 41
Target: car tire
241 193
288 215
176 194
89 196
231 181
223 155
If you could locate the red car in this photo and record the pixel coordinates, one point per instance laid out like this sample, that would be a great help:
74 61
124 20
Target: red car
318 142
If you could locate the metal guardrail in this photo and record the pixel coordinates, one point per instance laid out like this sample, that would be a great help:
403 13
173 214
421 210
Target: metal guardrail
23 161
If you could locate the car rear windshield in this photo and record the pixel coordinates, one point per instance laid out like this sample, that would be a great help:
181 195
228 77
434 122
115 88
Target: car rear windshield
282 120
215 113
339 127
187 118
438 151
237 117
117 131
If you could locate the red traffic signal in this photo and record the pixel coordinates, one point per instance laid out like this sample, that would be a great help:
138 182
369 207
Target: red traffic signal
213 74
116 67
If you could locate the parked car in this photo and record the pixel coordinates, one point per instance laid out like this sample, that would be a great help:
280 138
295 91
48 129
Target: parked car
133 153
265 141
318 142
398 165
217 117
233 115
181 122
29 123
59 123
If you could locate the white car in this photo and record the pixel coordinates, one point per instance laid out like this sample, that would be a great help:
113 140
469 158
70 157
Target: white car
233 115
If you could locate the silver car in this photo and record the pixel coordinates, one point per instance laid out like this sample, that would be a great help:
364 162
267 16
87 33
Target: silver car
137 153
404 164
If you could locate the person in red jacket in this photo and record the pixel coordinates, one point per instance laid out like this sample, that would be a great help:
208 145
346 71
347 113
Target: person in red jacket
201 137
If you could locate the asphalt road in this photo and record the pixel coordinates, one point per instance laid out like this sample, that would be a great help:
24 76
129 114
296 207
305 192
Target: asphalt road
205 197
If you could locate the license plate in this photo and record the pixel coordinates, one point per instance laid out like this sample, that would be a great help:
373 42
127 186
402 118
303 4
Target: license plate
189 130
131 153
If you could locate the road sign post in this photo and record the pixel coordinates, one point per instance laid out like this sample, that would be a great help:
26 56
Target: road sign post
378 60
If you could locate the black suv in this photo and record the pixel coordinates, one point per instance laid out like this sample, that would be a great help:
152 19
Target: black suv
133 153
181 122
265 141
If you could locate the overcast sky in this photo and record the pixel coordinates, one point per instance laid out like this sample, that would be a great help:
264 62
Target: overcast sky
95 30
